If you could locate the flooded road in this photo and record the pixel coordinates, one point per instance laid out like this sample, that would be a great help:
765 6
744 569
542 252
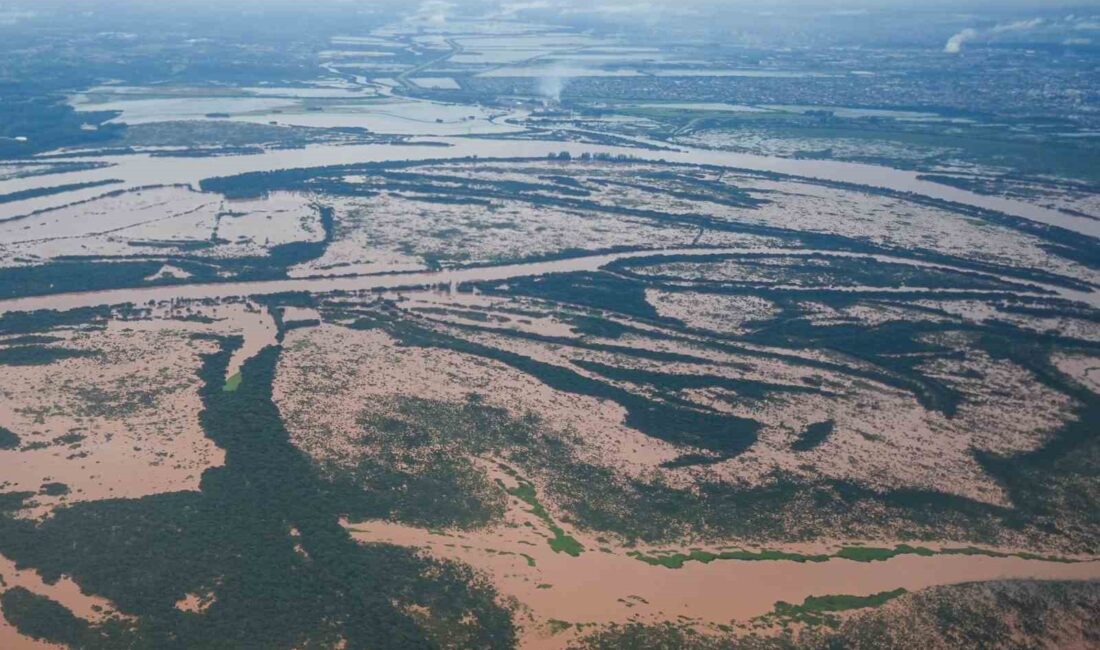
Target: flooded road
145 170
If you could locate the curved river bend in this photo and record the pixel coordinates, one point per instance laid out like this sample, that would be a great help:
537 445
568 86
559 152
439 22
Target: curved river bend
145 170
421 279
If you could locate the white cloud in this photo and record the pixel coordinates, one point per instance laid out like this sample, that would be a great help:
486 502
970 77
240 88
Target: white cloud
1050 27
1018 26
955 43
12 17
433 12
509 9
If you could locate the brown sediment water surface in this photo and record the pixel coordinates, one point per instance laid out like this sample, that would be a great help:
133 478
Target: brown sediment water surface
603 584
64 591
145 170
608 586
66 301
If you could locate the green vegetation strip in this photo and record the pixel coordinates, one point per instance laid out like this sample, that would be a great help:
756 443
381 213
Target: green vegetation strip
853 553
39 355
677 560
560 542
841 602
818 610
37 192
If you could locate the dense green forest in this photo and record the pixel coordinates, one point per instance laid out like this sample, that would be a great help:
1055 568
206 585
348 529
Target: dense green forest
262 538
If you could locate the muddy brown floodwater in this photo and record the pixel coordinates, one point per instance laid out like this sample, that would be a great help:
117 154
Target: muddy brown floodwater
145 170
64 591
603 584
607 586
419 279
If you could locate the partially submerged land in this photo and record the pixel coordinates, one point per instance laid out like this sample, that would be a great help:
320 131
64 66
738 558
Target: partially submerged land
403 341
604 442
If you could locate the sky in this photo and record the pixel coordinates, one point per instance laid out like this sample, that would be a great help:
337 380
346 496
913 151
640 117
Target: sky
621 5
956 24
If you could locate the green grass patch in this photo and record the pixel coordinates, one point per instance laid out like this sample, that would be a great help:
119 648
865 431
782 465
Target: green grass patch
853 553
970 550
874 554
674 561
1045 558
561 542
677 560
771 556
844 602
233 383
821 610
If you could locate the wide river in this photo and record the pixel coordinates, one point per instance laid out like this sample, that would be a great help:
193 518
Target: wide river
144 170
451 278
